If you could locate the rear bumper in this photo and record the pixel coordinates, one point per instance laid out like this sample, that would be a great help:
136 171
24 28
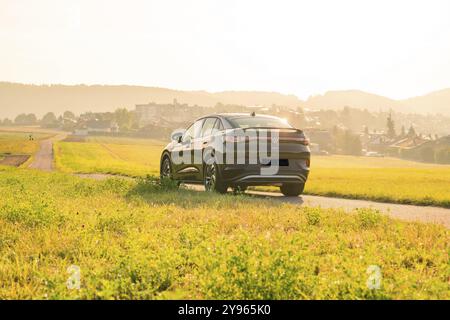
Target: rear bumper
252 175
258 180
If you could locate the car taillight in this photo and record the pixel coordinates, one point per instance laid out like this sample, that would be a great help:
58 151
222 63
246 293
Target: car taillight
304 141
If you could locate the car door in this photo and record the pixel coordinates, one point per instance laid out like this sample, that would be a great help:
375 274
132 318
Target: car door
179 159
202 142
187 169
215 140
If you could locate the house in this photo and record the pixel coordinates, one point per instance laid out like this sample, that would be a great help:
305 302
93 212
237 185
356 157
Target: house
377 142
409 143
158 114
96 126
415 148
80 132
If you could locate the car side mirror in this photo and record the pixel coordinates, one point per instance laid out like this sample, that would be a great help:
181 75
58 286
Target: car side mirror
177 136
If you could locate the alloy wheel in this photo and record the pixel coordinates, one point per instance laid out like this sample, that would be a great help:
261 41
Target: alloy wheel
166 171
210 177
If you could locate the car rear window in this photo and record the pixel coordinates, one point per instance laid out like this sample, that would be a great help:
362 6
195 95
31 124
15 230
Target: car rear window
259 122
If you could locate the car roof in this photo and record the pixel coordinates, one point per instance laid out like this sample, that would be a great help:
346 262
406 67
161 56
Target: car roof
237 115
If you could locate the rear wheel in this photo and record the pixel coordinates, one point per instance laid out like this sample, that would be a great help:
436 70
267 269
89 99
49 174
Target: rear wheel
292 189
212 180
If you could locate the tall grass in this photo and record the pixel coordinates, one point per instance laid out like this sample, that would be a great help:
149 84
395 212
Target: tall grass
121 159
144 240
19 142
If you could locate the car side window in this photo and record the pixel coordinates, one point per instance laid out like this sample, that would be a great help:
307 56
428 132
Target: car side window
189 134
207 126
198 128
218 126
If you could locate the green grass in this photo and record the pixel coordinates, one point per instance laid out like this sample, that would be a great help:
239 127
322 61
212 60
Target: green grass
399 185
380 179
138 240
110 156
19 142
125 141
352 162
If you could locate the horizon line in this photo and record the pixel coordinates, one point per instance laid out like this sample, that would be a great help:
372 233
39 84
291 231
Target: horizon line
221 91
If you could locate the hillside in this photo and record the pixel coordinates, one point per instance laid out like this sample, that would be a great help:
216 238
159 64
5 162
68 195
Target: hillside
21 98
435 102
353 98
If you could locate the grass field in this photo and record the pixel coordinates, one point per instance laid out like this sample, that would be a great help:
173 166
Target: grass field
380 179
137 240
122 156
19 142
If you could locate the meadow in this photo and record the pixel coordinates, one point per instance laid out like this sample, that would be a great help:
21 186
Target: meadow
379 179
19 142
141 240
120 156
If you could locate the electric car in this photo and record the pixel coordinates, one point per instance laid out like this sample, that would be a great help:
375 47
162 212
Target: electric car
238 150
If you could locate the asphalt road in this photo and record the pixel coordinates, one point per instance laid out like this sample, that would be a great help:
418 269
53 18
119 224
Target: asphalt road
43 159
398 211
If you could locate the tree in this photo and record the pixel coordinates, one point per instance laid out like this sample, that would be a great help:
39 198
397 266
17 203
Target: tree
352 143
49 120
69 115
7 122
21 119
412 132
335 135
31 118
390 127
25 119
124 119
442 155
347 142
403 132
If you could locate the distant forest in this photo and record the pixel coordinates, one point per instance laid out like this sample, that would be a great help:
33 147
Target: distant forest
19 98
39 99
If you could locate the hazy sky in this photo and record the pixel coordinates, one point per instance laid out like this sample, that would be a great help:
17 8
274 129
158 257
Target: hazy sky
394 48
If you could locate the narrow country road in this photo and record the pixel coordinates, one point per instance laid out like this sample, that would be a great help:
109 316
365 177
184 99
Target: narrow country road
397 211
43 159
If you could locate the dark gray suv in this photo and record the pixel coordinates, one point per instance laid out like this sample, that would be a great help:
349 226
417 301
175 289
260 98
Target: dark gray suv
239 150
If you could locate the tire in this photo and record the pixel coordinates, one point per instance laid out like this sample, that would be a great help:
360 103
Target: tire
292 189
212 180
166 169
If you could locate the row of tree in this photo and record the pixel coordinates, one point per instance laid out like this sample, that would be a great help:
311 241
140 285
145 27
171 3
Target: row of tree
49 120
68 120
391 132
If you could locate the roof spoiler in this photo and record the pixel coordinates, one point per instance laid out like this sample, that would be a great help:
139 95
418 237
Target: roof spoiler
269 128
